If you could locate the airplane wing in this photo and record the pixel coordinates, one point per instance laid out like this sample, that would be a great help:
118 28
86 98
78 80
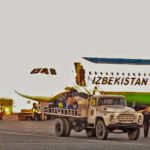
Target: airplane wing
42 98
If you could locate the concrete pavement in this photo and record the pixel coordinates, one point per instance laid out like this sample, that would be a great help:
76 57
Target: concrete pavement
39 135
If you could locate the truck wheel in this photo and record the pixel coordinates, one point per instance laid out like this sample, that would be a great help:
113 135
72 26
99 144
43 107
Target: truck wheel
60 127
90 132
134 134
68 127
101 130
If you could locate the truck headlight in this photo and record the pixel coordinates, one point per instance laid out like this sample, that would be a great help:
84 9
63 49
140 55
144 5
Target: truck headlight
112 119
140 119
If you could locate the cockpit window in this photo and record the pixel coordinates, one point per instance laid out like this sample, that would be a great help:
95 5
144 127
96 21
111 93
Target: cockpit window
112 101
53 71
47 71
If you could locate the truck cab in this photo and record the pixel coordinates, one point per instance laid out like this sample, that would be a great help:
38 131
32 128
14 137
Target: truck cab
111 114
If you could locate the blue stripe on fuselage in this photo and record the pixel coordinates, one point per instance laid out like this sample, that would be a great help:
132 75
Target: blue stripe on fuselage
118 61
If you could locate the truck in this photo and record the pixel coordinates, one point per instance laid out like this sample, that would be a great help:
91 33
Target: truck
98 115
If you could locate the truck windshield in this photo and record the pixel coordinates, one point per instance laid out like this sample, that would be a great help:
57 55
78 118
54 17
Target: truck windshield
112 101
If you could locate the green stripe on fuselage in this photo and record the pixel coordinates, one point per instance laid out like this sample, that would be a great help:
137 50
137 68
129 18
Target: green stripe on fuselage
138 98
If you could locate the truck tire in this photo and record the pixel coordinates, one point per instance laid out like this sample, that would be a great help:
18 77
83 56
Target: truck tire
90 132
60 127
68 127
134 134
101 130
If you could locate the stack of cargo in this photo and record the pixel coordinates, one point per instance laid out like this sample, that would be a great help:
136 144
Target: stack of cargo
77 101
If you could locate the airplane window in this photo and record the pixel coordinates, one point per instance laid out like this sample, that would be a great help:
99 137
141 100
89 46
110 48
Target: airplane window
123 74
144 74
45 71
53 71
139 74
149 74
36 70
95 73
90 72
128 74
112 73
117 73
133 74
101 73
106 73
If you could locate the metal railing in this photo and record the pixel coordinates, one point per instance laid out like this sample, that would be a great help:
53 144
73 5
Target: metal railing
64 112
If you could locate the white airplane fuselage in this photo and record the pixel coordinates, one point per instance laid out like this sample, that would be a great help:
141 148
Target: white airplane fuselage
51 80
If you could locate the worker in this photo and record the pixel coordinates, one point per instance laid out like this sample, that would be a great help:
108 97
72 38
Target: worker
1 111
82 76
146 121
96 91
146 113
36 115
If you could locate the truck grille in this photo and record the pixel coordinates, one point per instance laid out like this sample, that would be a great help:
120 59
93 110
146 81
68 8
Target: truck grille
126 118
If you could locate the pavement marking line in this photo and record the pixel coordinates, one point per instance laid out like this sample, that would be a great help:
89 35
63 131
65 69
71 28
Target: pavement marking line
113 144
66 138
28 134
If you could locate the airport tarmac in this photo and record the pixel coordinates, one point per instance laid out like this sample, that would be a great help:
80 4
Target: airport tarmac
40 135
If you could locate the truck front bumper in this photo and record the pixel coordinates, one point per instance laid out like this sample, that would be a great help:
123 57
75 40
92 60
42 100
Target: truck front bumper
124 126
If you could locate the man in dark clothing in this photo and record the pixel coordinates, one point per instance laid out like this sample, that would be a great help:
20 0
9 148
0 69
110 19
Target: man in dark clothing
146 113
146 123
82 76
36 115
1 111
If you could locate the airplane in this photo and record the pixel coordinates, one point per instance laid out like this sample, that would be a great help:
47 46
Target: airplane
119 76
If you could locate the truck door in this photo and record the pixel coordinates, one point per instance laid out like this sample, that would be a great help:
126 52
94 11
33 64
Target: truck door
92 111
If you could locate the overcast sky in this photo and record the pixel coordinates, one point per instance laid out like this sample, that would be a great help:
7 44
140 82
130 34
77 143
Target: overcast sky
47 32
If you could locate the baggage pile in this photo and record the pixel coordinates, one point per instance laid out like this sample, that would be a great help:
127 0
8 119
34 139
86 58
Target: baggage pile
72 100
